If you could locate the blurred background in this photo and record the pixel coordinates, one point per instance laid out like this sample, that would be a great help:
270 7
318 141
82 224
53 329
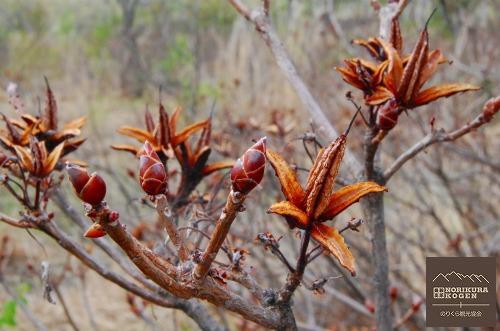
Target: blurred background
107 60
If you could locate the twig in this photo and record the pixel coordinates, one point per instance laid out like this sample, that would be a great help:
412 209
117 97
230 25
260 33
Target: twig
437 136
229 212
177 240
263 25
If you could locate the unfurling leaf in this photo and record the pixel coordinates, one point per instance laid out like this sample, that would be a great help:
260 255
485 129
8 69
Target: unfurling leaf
347 196
290 185
138 134
334 243
52 159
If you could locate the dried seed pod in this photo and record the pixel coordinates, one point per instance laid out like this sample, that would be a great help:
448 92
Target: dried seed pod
89 188
388 114
248 170
94 231
152 173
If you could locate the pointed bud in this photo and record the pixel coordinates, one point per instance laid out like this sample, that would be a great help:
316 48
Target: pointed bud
248 170
393 293
387 116
152 173
89 188
95 231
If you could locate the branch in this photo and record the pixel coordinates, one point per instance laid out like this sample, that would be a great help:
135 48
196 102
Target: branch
177 240
387 14
233 205
13 222
263 25
438 136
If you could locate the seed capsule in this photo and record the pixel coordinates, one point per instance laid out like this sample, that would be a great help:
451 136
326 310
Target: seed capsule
248 170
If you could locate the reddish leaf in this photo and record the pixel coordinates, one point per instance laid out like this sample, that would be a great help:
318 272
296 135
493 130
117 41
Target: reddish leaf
290 212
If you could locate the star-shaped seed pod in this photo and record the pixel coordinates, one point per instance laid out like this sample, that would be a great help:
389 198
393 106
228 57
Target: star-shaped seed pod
308 208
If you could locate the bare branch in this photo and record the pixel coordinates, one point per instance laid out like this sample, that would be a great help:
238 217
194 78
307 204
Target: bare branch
233 204
438 136
177 240
264 27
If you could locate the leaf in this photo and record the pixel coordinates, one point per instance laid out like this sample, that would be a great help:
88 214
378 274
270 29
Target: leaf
395 68
8 316
379 96
24 157
322 180
187 132
126 148
138 134
440 91
347 196
334 243
395 38
290 211
66 133
77 123
174 119
350 77
150 124
210 168
52 159
413 68
434 58
50 115
290 185
164 135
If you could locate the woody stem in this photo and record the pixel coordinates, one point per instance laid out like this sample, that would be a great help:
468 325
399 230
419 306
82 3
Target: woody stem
177 240
233 204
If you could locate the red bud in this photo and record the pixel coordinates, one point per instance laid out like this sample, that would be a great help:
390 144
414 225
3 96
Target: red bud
113 216
248 170
417 302
387 116
152 174
91 189
393 293
370 306
3 159
95 231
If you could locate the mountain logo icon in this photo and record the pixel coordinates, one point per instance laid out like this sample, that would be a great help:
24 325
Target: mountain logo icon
454 276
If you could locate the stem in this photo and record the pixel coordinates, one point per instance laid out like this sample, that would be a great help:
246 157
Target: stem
233 204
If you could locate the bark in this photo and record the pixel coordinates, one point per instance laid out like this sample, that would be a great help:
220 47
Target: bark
373 208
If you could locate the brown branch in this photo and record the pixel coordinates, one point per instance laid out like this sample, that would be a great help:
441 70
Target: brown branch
233 204
436 136
263 25
388 13
177 240
13 222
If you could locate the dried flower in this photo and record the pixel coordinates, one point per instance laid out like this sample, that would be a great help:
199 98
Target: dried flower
152 173
37 161
89 188
249 169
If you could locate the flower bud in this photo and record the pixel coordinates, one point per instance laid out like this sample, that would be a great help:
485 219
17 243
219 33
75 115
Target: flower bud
393 293
248 170
3 159
152 173
89 188
388 114
94 231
